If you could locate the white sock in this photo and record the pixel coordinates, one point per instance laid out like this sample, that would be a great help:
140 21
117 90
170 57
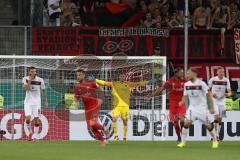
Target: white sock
184 134
219 129
29 127
213 135
216 129
36 130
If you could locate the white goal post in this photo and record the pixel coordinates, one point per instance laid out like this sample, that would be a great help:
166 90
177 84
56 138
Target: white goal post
58 73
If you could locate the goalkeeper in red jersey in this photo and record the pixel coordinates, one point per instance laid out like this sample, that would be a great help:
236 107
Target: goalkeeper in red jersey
176 87
87 91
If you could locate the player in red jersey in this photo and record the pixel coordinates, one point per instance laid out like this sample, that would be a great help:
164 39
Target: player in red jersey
87 91
176 86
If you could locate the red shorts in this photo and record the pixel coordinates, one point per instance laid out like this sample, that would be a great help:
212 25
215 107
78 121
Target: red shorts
92 108
177 111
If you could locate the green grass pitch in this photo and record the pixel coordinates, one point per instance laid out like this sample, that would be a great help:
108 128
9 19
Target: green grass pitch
91 150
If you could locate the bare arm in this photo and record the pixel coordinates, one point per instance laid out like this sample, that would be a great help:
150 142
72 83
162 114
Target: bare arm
210 97
183 101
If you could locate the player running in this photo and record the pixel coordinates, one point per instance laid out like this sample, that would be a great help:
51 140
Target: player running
220 86
196 92
33 85
121 90
87 91
176 87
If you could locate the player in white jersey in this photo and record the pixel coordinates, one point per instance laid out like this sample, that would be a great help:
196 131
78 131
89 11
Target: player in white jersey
195 94
34 87
220 86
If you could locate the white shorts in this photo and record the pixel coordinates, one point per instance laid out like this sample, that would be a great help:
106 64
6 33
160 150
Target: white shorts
219 108
32 110
203 116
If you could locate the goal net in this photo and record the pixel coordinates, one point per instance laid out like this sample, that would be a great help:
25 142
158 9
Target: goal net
60 120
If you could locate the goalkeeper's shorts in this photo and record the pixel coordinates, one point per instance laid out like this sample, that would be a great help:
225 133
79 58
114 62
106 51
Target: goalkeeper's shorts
124 112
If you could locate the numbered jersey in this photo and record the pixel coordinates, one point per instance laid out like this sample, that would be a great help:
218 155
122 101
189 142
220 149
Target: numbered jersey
33 95
197 94
219 87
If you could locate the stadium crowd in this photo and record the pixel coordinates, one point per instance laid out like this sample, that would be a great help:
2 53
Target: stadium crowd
169 14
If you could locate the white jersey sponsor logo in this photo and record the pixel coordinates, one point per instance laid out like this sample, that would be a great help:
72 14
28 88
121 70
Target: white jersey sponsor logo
219 88
33 95
197 94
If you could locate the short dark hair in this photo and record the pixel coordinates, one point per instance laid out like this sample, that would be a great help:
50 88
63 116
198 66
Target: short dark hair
81 70
193 69
31 67
178 69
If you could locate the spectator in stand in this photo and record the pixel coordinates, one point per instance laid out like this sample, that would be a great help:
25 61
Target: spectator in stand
174 21
67 21
201 16
143 6
235 14
180 11
221 20
87 9
54 12
158 25
68 10
149 22
77 21
153 5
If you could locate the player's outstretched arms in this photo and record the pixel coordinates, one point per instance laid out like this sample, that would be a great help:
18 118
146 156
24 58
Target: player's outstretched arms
103 83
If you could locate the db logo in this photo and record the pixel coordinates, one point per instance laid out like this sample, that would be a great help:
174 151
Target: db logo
105 120
18 134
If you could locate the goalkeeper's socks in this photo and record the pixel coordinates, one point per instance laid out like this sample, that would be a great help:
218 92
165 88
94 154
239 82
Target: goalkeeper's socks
115 129
184 134
125 130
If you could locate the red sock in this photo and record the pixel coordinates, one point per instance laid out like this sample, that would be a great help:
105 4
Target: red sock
98 134
97 126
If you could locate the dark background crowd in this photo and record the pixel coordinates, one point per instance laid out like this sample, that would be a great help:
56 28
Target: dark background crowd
207 14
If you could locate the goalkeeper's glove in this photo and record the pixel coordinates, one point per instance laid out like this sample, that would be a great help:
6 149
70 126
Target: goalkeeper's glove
91 78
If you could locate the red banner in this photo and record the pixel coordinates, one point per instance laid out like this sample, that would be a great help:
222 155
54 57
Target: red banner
54 125
203 44
237 44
